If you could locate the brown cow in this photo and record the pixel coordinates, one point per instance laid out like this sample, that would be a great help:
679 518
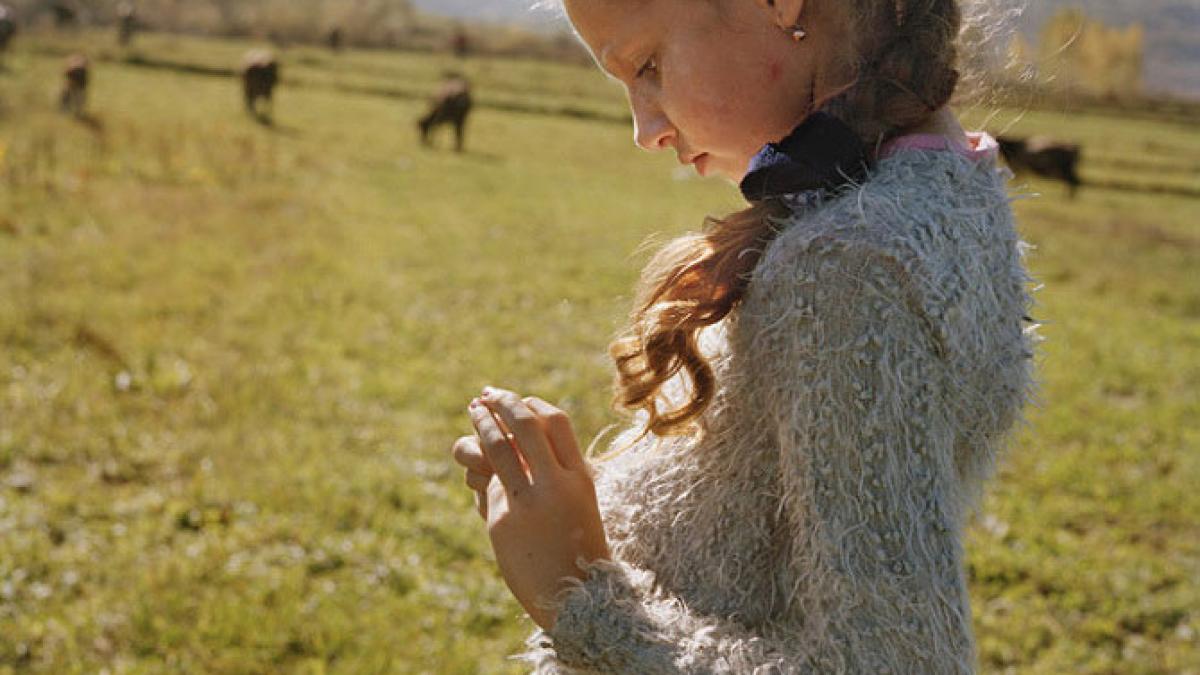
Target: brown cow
260 74
460 44
74 94
450 106
1044 157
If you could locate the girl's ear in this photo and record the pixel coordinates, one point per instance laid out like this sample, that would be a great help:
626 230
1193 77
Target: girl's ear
783 13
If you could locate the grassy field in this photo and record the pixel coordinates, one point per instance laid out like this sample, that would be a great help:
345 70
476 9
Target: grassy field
233 357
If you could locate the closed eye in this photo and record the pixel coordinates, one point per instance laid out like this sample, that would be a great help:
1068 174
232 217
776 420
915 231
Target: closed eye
650 67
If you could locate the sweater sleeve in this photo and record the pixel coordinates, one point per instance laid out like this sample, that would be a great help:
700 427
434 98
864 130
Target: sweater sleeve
849 372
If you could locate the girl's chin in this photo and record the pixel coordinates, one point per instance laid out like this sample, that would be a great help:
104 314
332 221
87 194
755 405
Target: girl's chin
712 167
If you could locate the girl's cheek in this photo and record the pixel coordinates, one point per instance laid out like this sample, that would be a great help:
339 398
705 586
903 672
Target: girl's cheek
774 72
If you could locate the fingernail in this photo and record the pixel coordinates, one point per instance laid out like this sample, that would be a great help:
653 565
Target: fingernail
474 403
488 391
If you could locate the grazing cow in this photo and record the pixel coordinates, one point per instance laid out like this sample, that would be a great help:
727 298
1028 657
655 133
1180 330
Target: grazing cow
65 14
460 44
8 27
75 85
1043 157
334 39
127 23
260 74
450 106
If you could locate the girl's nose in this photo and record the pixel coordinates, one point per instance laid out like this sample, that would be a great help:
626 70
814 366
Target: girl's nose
651 128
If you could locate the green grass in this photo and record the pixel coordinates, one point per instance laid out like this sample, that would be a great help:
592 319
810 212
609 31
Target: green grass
232 359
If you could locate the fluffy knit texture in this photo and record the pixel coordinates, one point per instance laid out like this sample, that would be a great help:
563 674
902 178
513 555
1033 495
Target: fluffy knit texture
814 522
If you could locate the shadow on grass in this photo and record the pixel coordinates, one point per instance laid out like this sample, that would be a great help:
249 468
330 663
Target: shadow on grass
474 155
1123 164
143 61
267 122
284 130
1122 186
485 157
91 122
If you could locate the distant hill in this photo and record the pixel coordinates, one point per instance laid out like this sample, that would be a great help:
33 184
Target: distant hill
1172 29
1172 35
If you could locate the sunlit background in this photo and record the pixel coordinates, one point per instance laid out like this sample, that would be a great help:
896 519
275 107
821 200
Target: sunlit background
235 344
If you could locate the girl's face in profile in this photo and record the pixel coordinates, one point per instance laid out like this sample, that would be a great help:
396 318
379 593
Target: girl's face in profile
713 80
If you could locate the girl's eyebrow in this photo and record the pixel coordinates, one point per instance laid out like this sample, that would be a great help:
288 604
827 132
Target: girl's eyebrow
607 61
614 66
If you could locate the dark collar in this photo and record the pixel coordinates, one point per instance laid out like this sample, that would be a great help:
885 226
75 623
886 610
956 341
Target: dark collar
823 153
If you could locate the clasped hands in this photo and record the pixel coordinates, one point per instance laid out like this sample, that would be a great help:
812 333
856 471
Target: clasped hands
534 490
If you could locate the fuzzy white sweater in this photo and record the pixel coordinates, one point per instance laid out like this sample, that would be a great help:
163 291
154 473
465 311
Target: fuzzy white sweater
815 523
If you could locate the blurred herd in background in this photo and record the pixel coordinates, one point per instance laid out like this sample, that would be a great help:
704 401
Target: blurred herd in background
260 69
1075 59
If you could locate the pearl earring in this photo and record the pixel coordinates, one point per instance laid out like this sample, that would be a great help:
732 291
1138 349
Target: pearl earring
796 31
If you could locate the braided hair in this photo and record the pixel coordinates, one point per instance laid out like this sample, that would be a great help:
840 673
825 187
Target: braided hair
910 76
907 72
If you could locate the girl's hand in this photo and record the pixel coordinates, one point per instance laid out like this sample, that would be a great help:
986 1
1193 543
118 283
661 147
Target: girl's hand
542 515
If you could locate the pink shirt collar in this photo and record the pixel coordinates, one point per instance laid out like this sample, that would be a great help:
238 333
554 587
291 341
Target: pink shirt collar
980 145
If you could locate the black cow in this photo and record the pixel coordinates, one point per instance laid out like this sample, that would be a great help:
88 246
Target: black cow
65 14
8 27
260 74
127 23
74 94
1044 157
450 106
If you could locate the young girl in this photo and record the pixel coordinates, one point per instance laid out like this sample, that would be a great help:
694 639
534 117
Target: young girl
822 381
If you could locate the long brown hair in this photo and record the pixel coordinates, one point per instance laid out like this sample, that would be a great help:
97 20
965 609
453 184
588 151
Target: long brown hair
906 72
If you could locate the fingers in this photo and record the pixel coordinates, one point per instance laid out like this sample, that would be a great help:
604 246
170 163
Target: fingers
523 422
478 472
499 452
481 503
477 481
466 451
558 429
497 500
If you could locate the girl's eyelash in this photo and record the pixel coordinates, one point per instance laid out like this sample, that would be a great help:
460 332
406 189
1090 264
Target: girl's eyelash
651 65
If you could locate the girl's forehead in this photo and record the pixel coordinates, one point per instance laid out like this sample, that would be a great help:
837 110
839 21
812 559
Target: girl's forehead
609 20
589 11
